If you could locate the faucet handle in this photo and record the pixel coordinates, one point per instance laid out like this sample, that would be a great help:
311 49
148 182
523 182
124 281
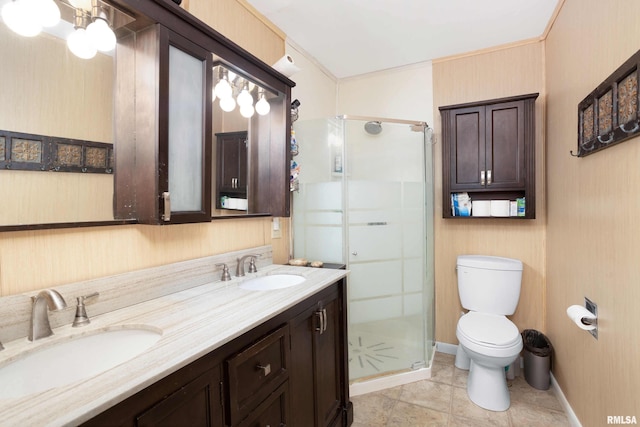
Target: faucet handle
226 276
252 265
81 318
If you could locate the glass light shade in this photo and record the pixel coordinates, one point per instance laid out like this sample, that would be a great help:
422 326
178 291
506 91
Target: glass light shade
262 106
80 45
227 104
245 98
247 111
48 12
223 90
18 15
101 35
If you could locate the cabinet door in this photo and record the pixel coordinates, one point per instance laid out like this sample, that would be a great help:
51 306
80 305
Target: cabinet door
185 119
505 146
467 148
195 404
316 371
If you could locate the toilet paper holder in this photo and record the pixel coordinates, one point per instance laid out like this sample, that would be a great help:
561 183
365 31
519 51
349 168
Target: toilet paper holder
585 317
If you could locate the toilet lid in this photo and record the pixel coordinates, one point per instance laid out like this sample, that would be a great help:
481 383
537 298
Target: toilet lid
489 329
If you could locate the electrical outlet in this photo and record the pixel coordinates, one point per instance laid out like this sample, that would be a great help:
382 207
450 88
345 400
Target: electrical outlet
593 308
276 232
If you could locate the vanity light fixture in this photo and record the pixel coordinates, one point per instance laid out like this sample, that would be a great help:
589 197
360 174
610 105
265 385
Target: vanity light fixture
28 17
230 83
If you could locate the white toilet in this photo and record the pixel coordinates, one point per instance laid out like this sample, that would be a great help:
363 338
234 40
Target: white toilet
489 288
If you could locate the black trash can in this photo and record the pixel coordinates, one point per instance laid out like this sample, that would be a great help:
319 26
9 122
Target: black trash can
537 358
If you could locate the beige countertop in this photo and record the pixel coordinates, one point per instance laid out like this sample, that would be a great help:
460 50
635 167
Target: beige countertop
193 323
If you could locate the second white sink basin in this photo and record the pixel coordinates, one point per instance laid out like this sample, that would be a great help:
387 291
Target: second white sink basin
272 281
73 359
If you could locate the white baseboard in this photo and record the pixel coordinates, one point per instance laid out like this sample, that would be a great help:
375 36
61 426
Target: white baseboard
446 348
573 419
382 383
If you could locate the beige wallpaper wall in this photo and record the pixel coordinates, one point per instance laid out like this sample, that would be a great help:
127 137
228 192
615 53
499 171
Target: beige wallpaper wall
37 259
593 227
505 72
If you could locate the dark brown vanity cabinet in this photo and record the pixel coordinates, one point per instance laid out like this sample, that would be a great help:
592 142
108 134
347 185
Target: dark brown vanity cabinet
489 151
317 372
231 165
292 370
191 396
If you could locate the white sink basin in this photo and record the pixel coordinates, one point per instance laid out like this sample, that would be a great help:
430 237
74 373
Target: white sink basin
72 359
272 281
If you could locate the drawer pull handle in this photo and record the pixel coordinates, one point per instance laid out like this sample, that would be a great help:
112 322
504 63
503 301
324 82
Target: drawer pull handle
266 370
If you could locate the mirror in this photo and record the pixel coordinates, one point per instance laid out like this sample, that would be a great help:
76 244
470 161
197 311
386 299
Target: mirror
48 91
235 140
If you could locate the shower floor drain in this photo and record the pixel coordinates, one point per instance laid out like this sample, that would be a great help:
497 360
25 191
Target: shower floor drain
371 354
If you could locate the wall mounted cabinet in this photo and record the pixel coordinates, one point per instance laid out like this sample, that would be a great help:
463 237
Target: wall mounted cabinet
164 125
489 151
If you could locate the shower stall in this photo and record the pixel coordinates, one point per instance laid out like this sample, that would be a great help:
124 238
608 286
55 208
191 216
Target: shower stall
364 199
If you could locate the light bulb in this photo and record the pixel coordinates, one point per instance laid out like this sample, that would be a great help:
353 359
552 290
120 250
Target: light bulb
223 90
101 35
245 98
80 44
247 111
227 104
262 106
18 16
47 12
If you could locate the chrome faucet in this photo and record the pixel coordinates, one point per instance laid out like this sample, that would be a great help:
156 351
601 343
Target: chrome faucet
252 265
40 327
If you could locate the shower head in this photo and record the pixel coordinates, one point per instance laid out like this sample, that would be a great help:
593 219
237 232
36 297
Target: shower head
373 127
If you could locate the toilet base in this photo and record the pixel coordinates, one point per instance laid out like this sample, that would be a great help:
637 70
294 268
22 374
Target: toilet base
487 387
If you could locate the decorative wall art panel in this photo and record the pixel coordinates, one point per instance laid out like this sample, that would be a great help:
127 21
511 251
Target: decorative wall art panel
21 151
609 114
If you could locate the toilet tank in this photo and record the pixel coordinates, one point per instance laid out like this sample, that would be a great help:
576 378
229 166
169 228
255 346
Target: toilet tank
489 284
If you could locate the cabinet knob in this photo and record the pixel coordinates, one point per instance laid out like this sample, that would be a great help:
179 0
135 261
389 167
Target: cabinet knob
266 370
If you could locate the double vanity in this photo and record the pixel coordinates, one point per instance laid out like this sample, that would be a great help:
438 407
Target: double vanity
176 345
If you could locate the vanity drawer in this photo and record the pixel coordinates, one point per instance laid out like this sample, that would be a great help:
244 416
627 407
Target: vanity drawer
257 371
274 411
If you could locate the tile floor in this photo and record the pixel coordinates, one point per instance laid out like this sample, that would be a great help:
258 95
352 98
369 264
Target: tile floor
442 401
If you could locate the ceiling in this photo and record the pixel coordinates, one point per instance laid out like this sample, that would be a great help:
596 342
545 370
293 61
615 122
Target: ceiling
352 37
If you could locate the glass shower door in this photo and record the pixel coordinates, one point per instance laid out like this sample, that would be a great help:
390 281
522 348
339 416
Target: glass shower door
385 200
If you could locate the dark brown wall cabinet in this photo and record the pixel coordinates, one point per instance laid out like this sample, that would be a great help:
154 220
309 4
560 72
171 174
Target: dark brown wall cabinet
163 154
489 151
163 118
289 371
231 165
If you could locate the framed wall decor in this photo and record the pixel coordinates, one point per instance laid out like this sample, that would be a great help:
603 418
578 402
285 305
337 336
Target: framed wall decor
609 114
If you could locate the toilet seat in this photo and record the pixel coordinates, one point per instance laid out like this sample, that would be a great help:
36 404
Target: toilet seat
489 334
